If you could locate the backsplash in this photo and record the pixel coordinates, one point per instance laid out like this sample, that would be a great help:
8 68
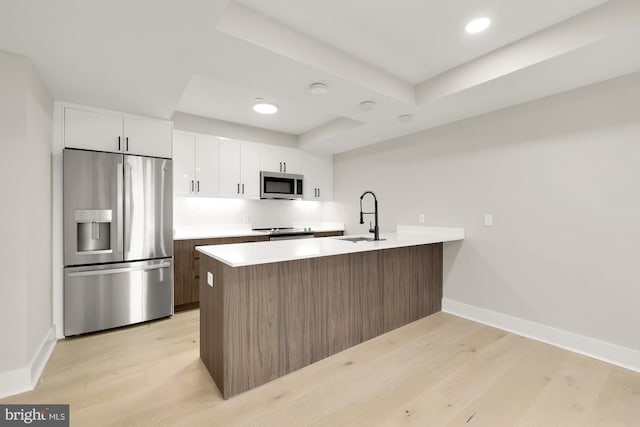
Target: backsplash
196 211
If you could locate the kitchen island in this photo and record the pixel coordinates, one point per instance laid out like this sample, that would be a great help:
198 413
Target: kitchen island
269 308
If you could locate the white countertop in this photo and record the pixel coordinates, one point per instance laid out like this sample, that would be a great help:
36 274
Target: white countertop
238 230
213 234
243 254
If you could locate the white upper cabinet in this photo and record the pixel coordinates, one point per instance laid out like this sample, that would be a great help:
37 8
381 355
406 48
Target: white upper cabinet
195 165
280 159
318 176
184 166
147 137
229 168
207 167
210 166
92 131
117 133
239 169
250 170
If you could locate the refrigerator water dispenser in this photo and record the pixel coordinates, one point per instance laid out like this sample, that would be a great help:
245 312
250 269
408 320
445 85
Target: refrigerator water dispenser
93 231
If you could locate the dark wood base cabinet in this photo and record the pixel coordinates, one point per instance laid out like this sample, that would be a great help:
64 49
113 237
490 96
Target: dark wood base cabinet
328 233
260 322
186 276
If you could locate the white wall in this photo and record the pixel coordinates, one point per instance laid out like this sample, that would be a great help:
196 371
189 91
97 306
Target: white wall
561 177
259 213
38 181
13 221
26 332
206 125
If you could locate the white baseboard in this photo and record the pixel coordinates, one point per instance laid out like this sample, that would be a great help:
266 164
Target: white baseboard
15 381
26 378
611 353
41 357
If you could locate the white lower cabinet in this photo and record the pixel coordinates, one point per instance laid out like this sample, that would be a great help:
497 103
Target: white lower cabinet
195 165
239 169
318 176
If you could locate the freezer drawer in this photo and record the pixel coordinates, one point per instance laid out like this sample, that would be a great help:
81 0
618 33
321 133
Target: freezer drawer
107 296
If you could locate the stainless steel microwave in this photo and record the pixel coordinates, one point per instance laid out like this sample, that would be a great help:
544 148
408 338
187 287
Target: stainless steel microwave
274 185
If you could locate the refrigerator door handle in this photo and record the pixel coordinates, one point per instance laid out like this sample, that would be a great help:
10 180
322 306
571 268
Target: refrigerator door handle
119 270
128 208
119 206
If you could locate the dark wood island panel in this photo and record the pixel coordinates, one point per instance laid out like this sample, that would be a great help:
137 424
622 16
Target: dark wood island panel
260 322
186 273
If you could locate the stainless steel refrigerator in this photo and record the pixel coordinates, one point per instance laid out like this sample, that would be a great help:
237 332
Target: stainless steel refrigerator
118 240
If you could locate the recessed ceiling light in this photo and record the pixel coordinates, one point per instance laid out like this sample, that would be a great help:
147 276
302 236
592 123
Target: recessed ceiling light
367 105
263 107
318 88
405 118
477 25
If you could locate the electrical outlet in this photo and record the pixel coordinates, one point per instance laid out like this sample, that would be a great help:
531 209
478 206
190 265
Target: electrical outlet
421 218
488 220
210 278
245 218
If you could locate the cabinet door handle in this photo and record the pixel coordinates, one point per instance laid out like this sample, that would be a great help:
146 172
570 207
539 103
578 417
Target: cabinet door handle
198 190
242 188
285 166
119 143
318 192
192 186
238 188
280 166
126 147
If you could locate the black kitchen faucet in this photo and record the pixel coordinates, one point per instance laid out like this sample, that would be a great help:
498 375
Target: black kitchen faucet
375 230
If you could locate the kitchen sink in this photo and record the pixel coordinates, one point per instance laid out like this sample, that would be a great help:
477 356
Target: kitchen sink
359 239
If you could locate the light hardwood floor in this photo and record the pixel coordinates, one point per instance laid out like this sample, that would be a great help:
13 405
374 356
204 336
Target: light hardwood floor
438 371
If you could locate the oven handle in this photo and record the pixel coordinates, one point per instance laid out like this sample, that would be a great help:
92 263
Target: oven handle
291 236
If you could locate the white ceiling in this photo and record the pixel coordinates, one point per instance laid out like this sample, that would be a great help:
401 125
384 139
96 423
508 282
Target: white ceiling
214 57
417 39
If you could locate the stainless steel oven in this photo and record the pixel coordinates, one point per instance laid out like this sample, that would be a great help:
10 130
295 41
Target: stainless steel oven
287 233
274 185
